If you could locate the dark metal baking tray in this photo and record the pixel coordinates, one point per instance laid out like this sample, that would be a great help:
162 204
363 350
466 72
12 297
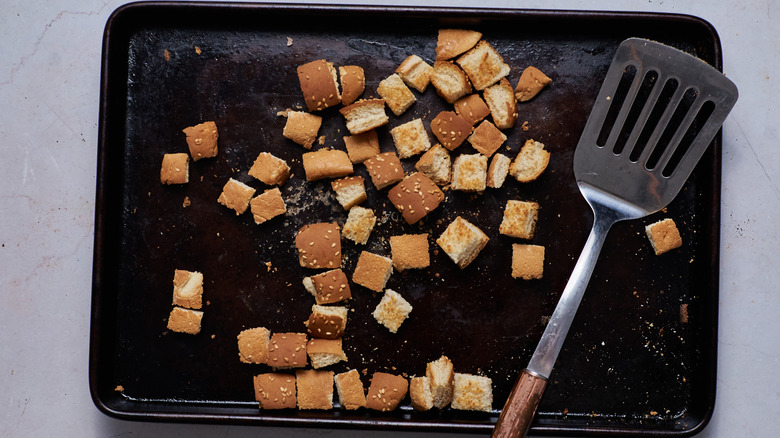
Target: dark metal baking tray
630 365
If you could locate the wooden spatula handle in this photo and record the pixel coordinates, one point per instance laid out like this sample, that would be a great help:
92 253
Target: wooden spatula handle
520 407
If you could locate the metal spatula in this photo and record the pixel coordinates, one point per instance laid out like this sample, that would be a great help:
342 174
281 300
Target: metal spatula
657 111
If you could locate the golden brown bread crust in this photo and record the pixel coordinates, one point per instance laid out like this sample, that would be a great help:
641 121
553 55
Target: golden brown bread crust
360 222
453 42
350 191
185 320
484 65
361 147
410 251
436 165
253 345
267 205
472 108
326 163
664 236
270 169
364 115
462 241
187 289
372 271
450 81
519 219
420 393
415 197
415 72
350 389
440 373
331 287
236 195
385 169
175 169
202 140
287 350
469 173
315 389
396 94
530 162
486 138
498 170
353 83
319 246
472 393
302 128
531 82
386 392
410 138
527 261
450 129
275 391
327 322
503 107
392 310
319 84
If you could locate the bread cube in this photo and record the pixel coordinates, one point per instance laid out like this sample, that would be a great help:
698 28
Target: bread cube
396 94
472 393
450 82
486 138
386 392
472 108
361 147
302 128
327 322
453 42
498 170
527 261
267 205
450 129
500 98
410 138
530 162
326 163
415 197
325 352
519 219
350 191
531 82
415 72
350 390
385 169
319 246
253 345
462 241
420 394
353 83
175 169
392 310
275 391
364 115
441 377
483 65
328 287
315 389
410 251
436 165
319 84
236 195
185 320
372 271
664 236
287 350
469 173
360 223
202 140
187 289
270 169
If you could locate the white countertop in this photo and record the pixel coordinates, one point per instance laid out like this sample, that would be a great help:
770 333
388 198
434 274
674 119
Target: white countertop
49 91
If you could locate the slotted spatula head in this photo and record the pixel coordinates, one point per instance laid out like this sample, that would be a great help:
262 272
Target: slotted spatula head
657 111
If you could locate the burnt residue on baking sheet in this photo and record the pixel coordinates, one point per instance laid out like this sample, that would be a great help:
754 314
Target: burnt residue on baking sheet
630 365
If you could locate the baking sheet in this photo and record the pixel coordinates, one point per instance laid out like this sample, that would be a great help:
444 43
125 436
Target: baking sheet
629 366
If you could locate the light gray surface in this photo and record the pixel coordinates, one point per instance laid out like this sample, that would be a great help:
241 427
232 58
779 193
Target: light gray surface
49 89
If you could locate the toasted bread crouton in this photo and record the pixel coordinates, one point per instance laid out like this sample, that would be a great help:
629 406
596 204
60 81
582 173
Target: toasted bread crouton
664 236
486 138
469 173
530 162
360 223
450 82
386 392
364 115
253 345
175 169
372 271
531 82
353 83
410 138
202 140
483 65
385 169
363 146
319 84
396 94
236 195
472 108
302 128
350 191
270 170
325 352
527 261
453 42
420 393
436 165
315 389
462 241
451 129
472 393
440 375
350 390
498 170
503 107
392 310
267 205
519 219
415 197
415 72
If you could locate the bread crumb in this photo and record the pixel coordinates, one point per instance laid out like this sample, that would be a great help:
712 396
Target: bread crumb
166 55
119 388
186 202
197 50
289 41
